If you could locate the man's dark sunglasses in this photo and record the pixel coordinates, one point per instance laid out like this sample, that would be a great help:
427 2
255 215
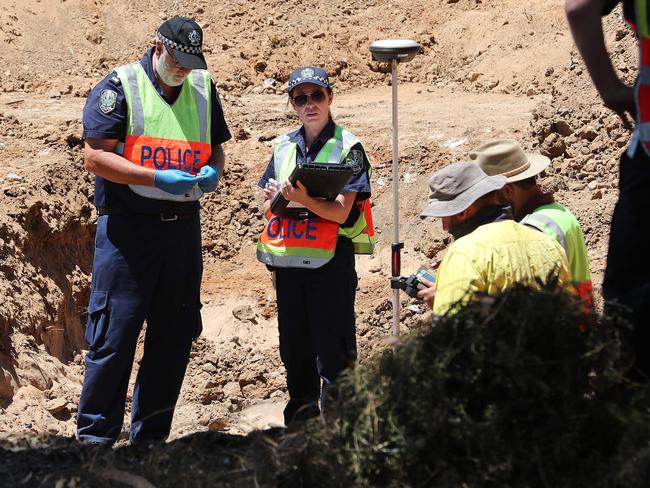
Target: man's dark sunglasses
301 100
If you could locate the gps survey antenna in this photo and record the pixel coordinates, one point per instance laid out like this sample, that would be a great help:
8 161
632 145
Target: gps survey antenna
395 51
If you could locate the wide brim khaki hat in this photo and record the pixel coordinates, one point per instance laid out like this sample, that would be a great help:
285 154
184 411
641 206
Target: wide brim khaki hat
507 158
457 186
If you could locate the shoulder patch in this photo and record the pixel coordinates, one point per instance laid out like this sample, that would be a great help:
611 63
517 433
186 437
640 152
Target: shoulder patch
355 160
107 101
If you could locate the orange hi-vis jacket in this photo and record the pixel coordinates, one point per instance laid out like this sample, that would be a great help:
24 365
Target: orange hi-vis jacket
163 136
310 243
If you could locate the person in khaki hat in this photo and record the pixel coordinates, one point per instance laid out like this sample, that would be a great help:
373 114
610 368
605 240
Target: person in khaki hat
534 207
491 251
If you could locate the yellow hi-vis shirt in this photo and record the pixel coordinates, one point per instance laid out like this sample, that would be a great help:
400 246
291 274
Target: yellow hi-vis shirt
494 257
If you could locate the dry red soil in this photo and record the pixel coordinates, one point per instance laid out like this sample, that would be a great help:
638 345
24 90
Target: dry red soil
501 68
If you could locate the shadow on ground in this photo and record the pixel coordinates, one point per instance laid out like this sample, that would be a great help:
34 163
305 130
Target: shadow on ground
201 459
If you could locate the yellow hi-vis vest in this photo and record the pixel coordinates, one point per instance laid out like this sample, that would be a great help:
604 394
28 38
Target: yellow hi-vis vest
163 136
311 242
559 223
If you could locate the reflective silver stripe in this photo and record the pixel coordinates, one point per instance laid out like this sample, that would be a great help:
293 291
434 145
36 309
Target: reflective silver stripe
337 151
198 80
644 130
634 142
349 138
342 147
281 148
641 129
537 219
291 261
644 75
119 148
349 141
158 194
137 111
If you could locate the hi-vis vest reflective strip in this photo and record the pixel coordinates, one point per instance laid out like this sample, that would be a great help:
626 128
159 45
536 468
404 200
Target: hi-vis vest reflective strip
162 136
557 225
558 222
539 220
362 233
311 243
293 243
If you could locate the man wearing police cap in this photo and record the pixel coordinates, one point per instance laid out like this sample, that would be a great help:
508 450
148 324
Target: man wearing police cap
153 133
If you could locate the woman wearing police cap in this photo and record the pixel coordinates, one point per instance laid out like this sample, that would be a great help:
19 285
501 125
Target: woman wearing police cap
312 252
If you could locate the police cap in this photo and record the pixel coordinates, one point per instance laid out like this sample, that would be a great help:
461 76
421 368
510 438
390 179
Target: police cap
184 38
308 74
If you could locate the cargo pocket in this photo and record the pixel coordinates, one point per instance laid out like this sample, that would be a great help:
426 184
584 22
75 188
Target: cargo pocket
97 319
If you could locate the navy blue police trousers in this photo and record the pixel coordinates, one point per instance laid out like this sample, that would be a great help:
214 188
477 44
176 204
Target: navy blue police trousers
317 328
627 274
144 269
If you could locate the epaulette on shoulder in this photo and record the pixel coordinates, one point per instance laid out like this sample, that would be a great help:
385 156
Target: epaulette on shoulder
114 79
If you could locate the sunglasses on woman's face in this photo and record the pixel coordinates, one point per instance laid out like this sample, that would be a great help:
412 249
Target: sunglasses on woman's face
302 99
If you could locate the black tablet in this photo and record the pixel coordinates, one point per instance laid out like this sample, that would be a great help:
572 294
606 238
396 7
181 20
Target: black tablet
322 180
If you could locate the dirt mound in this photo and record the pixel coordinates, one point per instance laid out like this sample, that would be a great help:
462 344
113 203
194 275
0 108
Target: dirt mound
501 69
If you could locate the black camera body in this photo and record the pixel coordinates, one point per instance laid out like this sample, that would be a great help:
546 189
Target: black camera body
411 285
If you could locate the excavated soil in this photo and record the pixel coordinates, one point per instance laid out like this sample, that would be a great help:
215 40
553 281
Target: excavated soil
486 70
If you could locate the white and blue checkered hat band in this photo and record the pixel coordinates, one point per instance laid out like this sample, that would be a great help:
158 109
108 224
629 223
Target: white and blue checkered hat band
299 80
179 47
308 74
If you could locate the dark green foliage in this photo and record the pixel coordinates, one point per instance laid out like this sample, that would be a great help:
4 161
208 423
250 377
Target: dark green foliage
522 390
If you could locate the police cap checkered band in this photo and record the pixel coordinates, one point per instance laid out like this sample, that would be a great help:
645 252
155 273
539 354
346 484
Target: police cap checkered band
179 47
184 38
308 74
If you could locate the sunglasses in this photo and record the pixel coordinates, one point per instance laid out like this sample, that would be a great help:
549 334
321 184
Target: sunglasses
316 97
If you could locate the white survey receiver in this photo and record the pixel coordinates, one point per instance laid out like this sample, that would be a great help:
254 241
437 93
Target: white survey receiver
401 50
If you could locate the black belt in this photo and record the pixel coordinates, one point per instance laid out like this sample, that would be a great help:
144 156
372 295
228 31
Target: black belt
164 216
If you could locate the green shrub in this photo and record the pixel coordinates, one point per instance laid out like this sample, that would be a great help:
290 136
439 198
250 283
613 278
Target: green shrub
519 390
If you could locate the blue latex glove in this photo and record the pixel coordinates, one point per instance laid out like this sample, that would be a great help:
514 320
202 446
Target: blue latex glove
174 181
209 178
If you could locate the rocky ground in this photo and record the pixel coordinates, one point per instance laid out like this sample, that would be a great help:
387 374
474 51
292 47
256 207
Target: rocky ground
486 70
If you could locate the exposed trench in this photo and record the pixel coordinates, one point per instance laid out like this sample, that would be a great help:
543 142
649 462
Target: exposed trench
46 249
